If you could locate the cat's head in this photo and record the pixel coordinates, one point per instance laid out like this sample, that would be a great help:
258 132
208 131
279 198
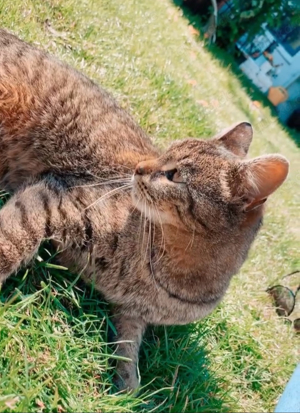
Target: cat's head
207 184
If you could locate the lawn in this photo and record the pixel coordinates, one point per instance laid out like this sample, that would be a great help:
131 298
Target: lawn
54 352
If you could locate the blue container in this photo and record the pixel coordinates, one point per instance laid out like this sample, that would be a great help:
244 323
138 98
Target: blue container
289 402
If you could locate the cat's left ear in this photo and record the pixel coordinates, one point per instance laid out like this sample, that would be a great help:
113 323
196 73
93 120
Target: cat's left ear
260 177
237 138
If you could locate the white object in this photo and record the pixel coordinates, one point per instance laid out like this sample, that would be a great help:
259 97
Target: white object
266 67
260 79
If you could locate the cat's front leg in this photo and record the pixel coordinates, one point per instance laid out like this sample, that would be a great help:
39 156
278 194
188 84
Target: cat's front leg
128 340
32 215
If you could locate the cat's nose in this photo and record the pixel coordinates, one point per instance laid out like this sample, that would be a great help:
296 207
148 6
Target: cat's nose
139 170
143 168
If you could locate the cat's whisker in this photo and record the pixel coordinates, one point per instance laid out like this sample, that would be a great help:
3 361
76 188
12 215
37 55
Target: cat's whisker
135 207
111 170
151 245
123 176
145 224
154 233
105 182
109 194
149 235
142 217
162 244
191 241
163 239
143 232
150 256
146 221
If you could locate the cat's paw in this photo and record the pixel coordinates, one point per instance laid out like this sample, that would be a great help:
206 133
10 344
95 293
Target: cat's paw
126 381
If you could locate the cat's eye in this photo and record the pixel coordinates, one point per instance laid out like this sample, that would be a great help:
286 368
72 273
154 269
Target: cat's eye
170 174
173 176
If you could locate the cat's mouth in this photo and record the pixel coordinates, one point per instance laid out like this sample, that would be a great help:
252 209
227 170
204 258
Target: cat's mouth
146 204
140 193
142 198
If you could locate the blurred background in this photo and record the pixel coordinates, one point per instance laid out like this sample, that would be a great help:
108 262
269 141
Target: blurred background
264 38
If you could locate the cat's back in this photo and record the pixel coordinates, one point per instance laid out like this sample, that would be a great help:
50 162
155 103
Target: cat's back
53 118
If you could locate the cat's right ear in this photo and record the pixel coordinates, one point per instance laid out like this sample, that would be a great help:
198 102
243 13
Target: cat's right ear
237 138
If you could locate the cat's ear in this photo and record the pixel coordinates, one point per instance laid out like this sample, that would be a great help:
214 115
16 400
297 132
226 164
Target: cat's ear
261 177
237 138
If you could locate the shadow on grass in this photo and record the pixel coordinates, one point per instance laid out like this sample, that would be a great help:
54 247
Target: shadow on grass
177 359
173 362
228 61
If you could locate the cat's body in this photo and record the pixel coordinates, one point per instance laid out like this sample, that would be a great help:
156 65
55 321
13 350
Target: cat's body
162 249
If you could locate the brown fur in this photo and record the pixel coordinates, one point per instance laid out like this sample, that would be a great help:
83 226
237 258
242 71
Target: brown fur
162 249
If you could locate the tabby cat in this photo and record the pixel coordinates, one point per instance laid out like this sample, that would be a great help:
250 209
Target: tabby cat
159 234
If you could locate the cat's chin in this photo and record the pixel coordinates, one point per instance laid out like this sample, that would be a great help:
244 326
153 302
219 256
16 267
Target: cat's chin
154 214
144 207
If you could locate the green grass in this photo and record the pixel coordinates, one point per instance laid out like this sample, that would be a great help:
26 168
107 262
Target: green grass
54 354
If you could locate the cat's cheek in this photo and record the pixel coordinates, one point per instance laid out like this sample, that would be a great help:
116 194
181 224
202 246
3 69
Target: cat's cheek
166 218
167 215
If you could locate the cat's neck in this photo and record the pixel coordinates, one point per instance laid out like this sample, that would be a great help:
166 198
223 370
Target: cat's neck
189 267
